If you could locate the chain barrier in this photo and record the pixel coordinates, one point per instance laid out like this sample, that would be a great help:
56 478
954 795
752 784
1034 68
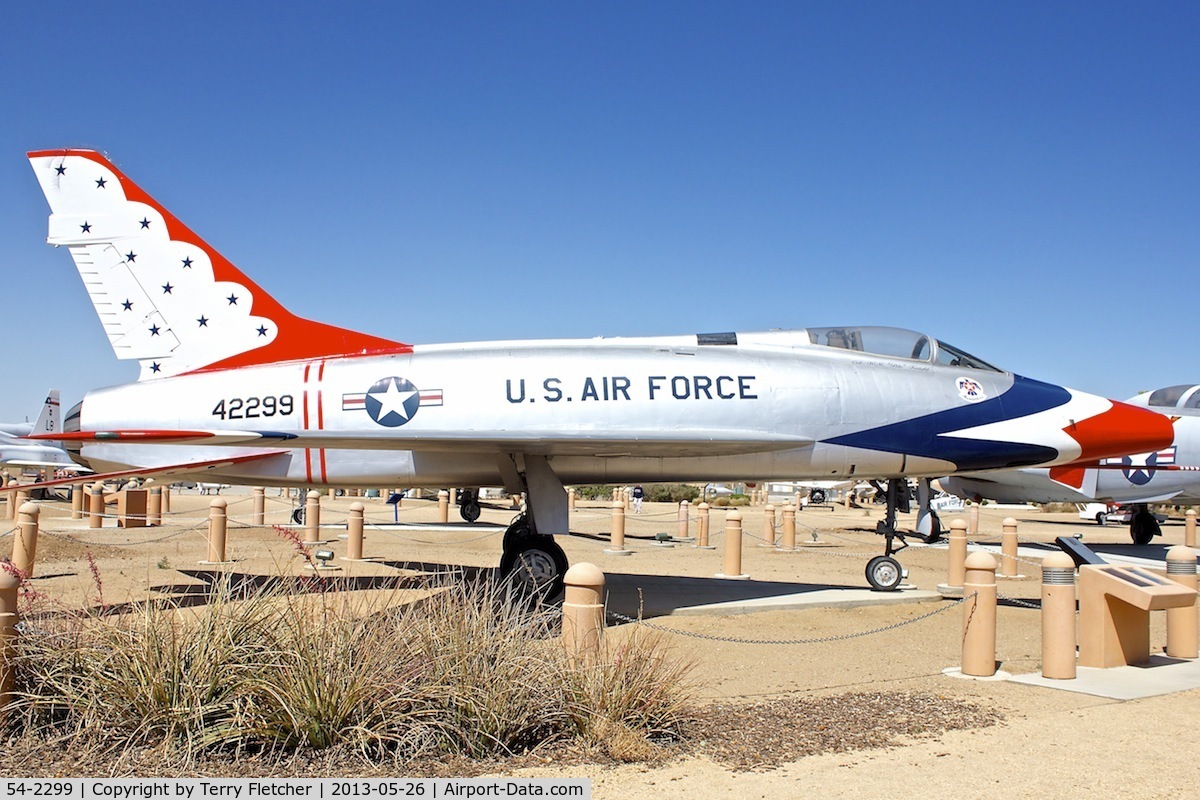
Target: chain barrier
818 640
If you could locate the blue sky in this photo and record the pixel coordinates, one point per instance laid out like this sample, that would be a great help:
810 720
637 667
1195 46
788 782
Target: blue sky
1019 179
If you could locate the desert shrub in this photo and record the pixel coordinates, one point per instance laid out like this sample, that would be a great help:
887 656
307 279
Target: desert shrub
468 670
599 491
671 492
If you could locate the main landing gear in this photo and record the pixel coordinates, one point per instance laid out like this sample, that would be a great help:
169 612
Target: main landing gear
468 504
884 572
1143 525
533 563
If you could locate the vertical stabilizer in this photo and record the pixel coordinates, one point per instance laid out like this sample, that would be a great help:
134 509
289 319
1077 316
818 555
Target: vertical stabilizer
165 297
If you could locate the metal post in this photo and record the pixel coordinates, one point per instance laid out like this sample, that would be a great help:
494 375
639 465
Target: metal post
25 543
979 616
733 547
1181 622
1058 617
583 611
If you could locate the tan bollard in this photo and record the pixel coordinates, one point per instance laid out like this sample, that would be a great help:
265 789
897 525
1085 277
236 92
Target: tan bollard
979 616
9 621
956 558
96 505
627 497
684 519
443 506
25 540
10 507
616 544
22 497
1008 550
154 507
846 499
733 548
583 611
312 517
768 526
1189 529
216 532
1181 622
702 521
973 521
1058 617
789 529
571 499
259 514
78 500
616 494
354 533
166 501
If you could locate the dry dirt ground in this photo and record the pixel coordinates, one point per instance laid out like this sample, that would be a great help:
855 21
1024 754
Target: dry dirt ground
868 715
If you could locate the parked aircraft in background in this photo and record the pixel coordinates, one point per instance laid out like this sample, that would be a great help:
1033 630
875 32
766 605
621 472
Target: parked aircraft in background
236 388
1164 475
19 451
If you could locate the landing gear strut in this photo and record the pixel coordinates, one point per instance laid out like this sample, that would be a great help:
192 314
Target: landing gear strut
884 572
533 562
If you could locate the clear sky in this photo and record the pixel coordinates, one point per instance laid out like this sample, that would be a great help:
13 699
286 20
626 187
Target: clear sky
1019 179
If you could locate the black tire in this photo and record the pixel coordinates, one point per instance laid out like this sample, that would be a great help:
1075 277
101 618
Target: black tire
1101 518
816 496
298 516
884 573
535 568
935 531
1143 528
517 532
470 511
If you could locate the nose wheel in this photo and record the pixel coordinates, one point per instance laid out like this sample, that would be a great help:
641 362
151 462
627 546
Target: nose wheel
884 573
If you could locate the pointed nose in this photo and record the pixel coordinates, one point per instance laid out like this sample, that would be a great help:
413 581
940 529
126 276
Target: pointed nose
1120 431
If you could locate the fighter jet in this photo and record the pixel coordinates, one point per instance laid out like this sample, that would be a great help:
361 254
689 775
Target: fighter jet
1170 474
234 386
19 451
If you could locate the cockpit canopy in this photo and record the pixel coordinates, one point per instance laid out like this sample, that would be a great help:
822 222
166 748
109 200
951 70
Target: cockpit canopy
896 343
1185 395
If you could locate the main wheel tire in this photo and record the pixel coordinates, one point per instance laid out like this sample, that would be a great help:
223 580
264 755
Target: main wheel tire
1143 528
884 573
298 516
816 496
516 533
536 567
470 511
1101 518
935 530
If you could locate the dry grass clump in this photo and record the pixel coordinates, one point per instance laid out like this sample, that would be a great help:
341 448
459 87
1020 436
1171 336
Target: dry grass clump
467 671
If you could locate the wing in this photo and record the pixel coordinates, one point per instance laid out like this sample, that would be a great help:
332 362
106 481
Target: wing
168 470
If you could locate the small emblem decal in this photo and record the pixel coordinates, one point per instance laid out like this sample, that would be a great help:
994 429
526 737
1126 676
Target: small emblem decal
391 402
970 390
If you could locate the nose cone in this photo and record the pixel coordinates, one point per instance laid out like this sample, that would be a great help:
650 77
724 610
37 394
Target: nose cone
1120 431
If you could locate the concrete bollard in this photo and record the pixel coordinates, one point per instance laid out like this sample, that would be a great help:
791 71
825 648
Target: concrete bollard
78 500
571 499
96 505
956 560
732 568
9 620
973 521
1189 529
25 540
154 506
10 507
312 517
216 532
616 542
260 507
627 498
354 532
21 498
979 616
443 506
768 526
166 501
1058 617
702 521
583 611
1008 550
1181 622
615 494
789 528
684 519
